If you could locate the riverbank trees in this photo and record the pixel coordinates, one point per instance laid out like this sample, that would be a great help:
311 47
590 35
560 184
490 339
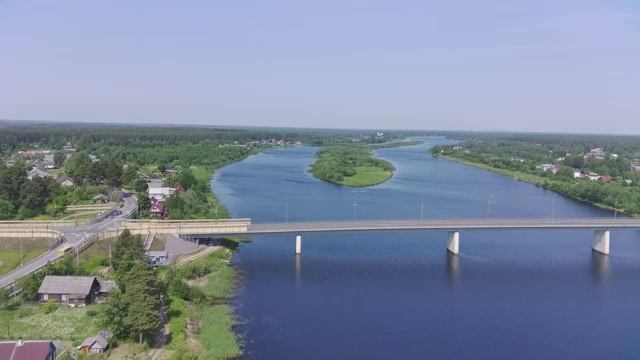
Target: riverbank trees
520 156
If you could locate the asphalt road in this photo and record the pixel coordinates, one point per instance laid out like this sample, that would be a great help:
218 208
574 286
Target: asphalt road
75 237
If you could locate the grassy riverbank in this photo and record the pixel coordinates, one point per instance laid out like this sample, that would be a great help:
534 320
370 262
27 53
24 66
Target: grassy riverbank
532 179
351 165
200 321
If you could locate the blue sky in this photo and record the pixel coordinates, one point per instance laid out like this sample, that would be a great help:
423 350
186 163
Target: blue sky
565 65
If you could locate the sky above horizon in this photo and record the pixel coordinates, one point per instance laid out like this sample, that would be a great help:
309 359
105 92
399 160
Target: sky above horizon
557 66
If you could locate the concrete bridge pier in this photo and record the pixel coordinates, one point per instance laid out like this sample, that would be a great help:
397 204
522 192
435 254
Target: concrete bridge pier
453 246
601 241
298 244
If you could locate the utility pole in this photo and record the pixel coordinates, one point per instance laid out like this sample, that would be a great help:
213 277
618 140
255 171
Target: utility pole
286 211
553 209
355 206
422 208
615 213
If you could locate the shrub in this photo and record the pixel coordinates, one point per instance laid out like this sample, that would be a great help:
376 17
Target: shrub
92 312
49 307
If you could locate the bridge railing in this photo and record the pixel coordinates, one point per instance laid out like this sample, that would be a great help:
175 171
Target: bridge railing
39 224
187 226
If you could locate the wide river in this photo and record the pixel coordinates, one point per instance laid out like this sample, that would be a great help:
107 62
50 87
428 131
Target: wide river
525 294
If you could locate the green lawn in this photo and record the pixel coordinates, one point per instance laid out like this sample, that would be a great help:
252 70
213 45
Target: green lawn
65 323
10 252
367 176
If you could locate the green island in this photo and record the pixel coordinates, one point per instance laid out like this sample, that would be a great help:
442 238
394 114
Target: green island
351 165
601 170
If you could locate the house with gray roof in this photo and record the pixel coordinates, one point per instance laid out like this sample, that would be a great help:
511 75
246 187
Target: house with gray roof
95 344
72 290
106 287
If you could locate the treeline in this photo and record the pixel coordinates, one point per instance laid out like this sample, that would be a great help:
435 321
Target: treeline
90 137
336 162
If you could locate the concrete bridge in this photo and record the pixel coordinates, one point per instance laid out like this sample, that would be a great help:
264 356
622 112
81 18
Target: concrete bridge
230 227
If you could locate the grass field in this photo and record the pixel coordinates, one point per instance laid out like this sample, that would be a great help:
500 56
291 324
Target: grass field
215 337
93 257
10 252
367 176
65 323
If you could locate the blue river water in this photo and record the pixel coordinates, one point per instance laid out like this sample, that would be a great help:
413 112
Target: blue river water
526 294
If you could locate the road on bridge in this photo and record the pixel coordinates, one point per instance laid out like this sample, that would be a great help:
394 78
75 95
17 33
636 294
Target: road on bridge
441 224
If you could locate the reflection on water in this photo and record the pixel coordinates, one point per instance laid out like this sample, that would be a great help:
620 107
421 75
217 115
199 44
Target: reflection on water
599 267
453 267
298 266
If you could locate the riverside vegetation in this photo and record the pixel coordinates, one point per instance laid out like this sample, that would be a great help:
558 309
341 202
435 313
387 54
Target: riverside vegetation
351 165
520 156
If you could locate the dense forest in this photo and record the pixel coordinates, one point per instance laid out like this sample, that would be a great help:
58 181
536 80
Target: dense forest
336 163
521 156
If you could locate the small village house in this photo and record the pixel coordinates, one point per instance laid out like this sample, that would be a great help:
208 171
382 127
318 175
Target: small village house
27 350
596 153
106 287
553 168
35 172
577 173
158 208
65 181
160 193
100 199
72 290
591 175
96 344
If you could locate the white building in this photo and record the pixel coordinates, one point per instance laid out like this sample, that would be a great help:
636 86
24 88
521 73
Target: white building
591 175
161 193
577 173
549 167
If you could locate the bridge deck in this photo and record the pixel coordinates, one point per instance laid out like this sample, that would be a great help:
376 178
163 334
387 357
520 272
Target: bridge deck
441 224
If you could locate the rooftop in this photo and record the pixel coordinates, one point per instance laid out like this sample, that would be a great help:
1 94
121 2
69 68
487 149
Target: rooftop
78 285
